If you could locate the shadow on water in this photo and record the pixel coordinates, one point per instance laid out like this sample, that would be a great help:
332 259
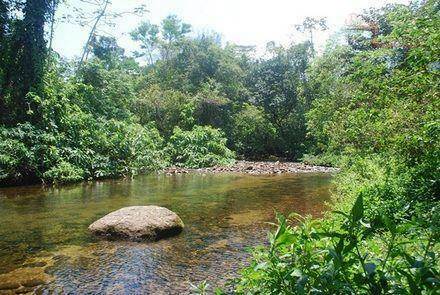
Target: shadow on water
44 242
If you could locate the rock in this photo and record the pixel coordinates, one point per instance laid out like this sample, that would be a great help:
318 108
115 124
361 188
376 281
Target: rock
138 223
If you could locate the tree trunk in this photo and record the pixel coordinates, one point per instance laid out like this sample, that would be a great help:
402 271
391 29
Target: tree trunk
91 34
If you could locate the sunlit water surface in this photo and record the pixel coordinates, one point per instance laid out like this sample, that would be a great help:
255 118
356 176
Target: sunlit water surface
45 245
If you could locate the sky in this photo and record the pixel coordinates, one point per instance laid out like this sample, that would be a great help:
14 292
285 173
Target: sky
243 22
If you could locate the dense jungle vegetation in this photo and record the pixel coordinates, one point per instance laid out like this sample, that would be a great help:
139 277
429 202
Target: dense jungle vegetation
368 104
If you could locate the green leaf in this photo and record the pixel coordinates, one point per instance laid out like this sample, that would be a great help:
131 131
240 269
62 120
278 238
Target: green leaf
357 212
350 246
389 223
340 246
296 273
285 238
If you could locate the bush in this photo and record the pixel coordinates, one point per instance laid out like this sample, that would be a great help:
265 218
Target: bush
25 153
203 146
349 254
327 159
104 92
64 172
14 158
130 149
74 146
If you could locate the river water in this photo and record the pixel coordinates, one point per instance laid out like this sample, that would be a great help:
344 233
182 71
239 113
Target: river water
45 246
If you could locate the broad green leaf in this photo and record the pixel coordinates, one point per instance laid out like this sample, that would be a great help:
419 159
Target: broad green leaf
357 212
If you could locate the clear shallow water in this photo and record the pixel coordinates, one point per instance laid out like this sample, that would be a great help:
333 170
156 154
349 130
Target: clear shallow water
45 245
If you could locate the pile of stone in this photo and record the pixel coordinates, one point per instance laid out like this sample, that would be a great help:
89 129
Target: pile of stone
255 168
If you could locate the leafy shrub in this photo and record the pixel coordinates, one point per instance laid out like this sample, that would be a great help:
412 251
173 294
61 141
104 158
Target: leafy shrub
376 113
130 149
64 172
210 106
14 158
325 159
70 145
203 146
25 153
347 255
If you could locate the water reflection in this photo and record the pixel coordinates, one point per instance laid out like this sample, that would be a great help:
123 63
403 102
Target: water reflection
223 214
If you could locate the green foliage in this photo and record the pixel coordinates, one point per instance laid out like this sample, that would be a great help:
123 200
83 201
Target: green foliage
278 86
379 108
166 108
215 82
350 254
203 289
70 143
160 41
105 92
203 146
328 90
22 57
64 172
327 159
81 149
15 157
253 135
374 101
371 107
375 113
210 106
107 50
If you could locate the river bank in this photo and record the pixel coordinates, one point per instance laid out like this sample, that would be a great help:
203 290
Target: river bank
254 168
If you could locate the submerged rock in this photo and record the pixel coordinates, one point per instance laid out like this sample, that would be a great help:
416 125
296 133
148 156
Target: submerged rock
138 223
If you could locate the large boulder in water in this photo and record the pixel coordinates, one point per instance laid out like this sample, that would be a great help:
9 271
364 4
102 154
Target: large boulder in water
138 223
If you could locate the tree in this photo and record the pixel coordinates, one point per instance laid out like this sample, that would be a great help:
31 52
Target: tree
173 29
52 7
148 35
101 14
253 136
166 108
24 60
311 24
278 85
163 39
107 49
363 30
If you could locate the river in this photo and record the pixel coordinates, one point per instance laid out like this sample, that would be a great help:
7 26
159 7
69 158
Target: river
45 246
